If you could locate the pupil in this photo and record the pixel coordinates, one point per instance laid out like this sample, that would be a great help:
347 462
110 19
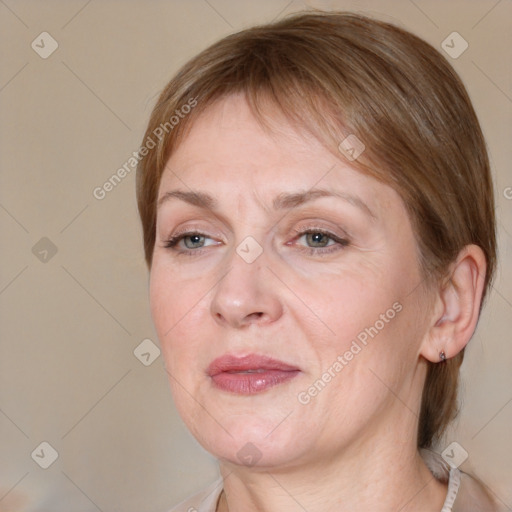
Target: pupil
317 238
194 239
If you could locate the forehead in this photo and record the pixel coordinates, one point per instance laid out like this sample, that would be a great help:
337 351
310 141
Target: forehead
228 127
227 135
227 151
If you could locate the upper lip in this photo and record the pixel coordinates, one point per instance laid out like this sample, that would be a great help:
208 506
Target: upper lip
232 363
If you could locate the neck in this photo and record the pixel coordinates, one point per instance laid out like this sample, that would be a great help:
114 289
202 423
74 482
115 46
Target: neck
392 479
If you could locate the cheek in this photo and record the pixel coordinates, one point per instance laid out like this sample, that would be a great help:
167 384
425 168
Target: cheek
178 312
166 311
370 320
161 302
172 298
355 302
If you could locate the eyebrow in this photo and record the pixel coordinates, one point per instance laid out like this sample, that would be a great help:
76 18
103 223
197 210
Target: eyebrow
283 201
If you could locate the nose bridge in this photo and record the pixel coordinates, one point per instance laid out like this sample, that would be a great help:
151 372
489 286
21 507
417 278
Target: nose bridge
244 292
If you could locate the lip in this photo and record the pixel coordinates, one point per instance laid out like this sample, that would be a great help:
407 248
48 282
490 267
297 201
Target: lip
249 374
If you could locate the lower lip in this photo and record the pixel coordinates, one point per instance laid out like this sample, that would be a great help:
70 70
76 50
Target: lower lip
252 383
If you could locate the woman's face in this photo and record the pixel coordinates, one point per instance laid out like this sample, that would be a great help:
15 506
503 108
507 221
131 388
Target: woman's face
290 323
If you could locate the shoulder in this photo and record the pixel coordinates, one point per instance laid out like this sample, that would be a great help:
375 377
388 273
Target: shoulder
465 492
472 495
204 501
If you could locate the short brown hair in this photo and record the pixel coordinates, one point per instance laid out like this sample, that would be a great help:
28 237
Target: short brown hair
340 74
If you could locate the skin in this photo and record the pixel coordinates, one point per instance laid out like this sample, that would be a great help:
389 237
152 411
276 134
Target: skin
353 446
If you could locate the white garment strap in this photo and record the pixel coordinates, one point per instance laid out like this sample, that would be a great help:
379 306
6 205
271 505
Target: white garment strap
453 488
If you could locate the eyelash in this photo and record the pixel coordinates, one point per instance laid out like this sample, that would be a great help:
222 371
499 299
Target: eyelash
173 241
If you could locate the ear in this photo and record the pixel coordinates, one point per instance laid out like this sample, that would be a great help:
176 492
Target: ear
456 306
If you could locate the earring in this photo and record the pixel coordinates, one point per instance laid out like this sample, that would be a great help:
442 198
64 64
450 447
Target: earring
442 356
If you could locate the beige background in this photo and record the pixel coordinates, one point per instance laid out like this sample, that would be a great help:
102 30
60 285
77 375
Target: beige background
70 322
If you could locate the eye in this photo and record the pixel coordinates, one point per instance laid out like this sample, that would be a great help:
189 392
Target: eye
193 241
319 240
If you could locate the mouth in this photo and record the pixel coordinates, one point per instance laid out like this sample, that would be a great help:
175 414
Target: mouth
249 374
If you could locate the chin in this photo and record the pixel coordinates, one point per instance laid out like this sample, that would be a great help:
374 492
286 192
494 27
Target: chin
253 441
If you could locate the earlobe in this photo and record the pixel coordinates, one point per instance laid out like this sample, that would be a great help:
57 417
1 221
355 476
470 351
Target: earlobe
457 306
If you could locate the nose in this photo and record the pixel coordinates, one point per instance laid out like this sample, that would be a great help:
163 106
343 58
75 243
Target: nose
248 293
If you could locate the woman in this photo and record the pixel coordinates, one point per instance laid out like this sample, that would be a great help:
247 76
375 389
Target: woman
319 226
